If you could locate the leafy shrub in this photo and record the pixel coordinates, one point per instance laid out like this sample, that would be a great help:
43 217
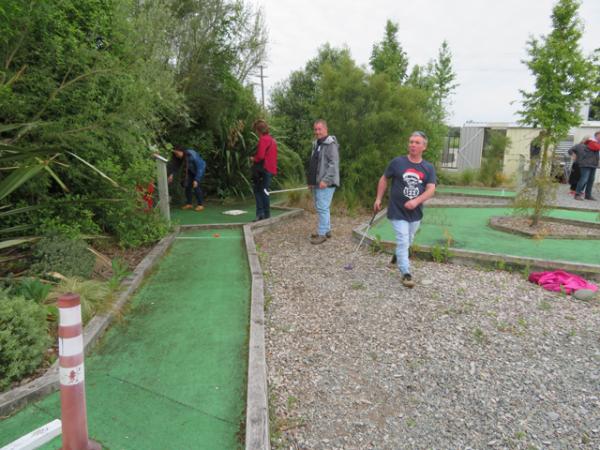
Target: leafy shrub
23 337
95 295
132 226
69 257
33 289
467 177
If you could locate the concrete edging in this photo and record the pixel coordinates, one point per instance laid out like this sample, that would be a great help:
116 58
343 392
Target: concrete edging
20 396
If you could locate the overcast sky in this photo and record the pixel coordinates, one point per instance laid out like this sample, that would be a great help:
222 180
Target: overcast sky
487 39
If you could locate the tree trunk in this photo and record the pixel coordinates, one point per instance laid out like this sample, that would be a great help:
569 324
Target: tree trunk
542 186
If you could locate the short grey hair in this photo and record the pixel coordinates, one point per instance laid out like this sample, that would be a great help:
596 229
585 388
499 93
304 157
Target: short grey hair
420 134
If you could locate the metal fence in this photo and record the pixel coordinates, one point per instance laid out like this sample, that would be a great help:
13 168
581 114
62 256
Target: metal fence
450 152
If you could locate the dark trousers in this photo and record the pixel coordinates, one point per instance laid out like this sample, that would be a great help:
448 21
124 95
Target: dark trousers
189 189
586 180
261 183
574 176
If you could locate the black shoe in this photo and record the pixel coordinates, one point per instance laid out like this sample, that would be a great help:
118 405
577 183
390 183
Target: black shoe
318 240
258 219
591 198
407 281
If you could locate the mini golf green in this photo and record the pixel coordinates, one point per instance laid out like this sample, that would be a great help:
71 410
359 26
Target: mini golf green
213 214
475 192
469 230
172 373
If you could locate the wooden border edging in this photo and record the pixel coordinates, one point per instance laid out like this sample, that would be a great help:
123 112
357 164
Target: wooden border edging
257 400
20 396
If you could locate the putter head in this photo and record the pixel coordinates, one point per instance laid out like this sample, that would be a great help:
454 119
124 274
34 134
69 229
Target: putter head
348 266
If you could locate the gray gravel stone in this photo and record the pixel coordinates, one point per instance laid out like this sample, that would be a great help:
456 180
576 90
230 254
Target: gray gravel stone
474 359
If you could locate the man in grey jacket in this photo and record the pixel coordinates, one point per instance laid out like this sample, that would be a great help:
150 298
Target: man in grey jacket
323 177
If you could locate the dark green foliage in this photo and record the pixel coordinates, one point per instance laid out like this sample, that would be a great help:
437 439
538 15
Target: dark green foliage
388 56
371 116
32 289
131 226
80 80
23 337
67 256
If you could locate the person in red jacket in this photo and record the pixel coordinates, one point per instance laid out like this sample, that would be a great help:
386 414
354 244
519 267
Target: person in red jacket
263 169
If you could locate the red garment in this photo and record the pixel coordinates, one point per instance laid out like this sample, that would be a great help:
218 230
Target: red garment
266 151
593 145
560 281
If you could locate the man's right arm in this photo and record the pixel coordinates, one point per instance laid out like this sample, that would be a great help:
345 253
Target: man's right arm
381 189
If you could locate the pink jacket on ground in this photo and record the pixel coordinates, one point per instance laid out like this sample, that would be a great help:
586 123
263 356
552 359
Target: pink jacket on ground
560 281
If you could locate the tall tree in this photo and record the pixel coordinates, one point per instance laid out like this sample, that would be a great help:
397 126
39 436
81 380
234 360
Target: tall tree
443 78
388 56
564 78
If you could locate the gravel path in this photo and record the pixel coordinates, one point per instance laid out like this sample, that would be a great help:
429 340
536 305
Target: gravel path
466 359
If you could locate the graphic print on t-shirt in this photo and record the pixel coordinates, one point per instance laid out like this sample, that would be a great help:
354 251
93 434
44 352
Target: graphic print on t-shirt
412 180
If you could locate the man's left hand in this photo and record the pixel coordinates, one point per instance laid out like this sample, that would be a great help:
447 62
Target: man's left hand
411 204
323 185
194 184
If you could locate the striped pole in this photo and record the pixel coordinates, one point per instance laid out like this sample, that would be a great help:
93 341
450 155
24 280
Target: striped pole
72 378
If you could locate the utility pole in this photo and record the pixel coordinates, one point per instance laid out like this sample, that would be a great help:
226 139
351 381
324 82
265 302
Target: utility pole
262 86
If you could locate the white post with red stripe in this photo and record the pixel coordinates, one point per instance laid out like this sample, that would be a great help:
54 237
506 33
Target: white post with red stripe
72 376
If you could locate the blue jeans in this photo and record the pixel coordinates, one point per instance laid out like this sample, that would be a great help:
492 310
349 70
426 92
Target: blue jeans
263 205
322 199
405 234
196 190
586 180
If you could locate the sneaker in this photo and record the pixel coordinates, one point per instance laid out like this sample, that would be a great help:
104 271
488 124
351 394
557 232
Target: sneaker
407 281
578 197
318 240
188 206
199 208
257 219
572 192
591 198
315 235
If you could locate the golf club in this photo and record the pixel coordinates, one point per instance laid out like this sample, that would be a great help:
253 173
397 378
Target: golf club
286 190
350 265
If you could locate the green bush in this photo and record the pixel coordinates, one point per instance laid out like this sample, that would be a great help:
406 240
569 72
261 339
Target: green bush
69 257
23 337
95 296
467 177
132 226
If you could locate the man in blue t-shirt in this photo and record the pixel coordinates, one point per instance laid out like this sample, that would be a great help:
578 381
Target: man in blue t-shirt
413 182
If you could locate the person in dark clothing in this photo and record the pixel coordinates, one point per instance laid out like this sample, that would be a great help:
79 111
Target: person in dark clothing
264 169
192 168
587 155
574 175
413 182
